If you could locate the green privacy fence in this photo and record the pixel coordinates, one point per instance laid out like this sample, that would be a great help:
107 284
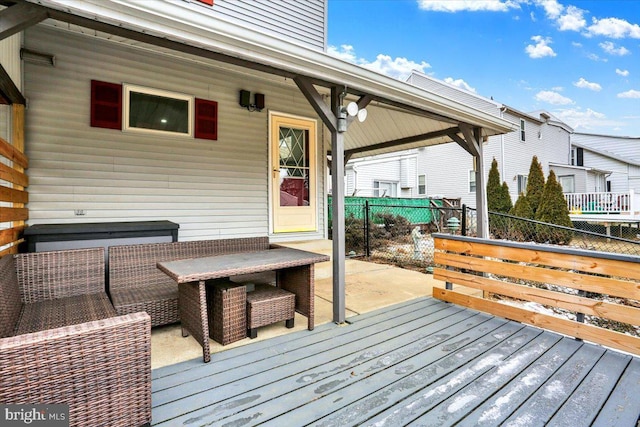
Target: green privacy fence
354 207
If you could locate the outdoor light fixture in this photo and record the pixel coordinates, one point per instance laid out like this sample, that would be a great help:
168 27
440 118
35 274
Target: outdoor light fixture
350 110
245 101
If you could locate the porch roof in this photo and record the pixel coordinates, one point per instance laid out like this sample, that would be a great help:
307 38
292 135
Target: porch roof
420 117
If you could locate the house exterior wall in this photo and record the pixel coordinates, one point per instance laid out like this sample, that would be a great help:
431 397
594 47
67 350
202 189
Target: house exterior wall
302 22
582 182
447 169
447 166
211 188
401 170
620 155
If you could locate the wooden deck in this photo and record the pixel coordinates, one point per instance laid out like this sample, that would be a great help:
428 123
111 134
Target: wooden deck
423 362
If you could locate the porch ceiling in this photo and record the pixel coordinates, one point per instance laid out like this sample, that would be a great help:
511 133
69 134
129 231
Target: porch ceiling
401 116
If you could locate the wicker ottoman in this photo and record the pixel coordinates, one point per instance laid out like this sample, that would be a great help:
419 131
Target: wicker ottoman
226 309
268 304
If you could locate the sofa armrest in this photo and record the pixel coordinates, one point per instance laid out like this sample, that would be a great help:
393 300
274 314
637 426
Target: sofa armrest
101 369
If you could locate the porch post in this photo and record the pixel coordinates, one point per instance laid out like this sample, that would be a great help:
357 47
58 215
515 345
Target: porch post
337 210
472 142
481 195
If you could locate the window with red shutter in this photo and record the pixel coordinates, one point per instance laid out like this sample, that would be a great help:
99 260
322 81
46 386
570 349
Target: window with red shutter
206 119
106 105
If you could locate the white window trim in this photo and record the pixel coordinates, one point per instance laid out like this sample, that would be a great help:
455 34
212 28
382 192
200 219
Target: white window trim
425 185
471 173
128 88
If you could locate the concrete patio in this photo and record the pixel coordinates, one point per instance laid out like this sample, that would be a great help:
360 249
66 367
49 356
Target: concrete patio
369 286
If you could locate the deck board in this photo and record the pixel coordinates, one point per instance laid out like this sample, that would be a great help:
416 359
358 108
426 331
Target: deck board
423 362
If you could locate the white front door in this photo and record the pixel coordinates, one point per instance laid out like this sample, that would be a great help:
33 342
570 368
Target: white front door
293 173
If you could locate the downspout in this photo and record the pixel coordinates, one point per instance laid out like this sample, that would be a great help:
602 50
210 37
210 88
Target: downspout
502 111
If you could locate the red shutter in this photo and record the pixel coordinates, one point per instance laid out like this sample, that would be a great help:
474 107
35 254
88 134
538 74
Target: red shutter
206 119
106 105
209 2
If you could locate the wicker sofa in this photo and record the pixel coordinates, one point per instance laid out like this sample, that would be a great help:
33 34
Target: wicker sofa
136 284
61 340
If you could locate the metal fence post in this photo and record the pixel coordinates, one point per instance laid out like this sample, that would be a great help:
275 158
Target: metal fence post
463 230
367 248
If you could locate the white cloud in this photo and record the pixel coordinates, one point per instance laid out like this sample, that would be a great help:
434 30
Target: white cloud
552 8
586 120
611 49
399 68
633 94
623 73
345 52
594 57
541 48
573 20
459 83
584 84
553 98
615 28
468 5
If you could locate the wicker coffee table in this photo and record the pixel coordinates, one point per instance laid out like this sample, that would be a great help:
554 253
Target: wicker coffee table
294 272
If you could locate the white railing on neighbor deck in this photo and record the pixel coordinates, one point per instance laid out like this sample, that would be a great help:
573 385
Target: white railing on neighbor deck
603 203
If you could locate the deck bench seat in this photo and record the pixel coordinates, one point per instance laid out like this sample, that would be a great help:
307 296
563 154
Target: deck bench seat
135 282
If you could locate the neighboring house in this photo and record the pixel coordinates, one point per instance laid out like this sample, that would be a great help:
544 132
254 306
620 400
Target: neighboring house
618 155
449 171
210 115
606 178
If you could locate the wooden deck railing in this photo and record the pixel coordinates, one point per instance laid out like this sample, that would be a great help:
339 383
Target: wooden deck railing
603 203
13 196
578 282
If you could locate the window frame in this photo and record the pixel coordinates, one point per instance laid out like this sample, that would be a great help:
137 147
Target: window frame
572 178
521 183
393 184
472 173
522 131
126 105
422 186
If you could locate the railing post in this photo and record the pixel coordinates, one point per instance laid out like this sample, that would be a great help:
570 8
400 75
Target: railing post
463 230
367 247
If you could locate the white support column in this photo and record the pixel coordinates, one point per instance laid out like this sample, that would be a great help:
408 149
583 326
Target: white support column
481 196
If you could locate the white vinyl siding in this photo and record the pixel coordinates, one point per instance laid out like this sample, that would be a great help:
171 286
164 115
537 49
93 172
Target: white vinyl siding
210 188
10 58
303 22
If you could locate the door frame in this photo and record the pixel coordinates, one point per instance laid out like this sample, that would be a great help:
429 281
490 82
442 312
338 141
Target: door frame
314 167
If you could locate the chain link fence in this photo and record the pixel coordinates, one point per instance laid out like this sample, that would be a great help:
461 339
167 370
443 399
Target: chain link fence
401 235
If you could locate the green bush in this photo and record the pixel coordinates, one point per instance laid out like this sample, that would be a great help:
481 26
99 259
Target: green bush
535 186
522 230
553 209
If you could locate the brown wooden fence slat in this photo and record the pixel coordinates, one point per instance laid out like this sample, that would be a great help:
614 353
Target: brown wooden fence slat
13 176
569 327
10 152
617 312
11 235
14 214
13 195
597 284
548 258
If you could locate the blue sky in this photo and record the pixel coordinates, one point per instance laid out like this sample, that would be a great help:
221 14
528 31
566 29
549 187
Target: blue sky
579 60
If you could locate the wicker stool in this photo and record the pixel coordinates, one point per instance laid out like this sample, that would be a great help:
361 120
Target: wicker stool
226 309
268 304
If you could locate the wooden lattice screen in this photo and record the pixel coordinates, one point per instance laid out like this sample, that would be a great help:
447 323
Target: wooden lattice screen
13 182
